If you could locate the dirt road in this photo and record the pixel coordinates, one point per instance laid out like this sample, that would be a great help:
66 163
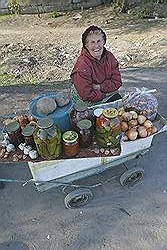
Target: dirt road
44 49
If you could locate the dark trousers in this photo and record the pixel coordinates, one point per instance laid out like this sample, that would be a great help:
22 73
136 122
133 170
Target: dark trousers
2 185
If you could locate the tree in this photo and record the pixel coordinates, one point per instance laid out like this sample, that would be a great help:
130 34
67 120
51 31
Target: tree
122 4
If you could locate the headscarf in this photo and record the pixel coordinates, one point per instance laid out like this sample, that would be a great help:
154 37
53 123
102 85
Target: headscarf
88 30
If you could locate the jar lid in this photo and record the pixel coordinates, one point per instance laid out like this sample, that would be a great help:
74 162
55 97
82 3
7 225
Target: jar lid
12 126
110 112
84 124
80 106
70 136
45 122
28 130
98 112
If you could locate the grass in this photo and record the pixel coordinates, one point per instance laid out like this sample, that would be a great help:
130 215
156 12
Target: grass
8 79
55 14
4 17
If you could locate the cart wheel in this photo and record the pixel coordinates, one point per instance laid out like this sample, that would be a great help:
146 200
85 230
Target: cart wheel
78 198
132 176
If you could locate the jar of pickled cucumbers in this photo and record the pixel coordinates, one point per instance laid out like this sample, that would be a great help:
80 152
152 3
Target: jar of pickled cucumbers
47 138
108 129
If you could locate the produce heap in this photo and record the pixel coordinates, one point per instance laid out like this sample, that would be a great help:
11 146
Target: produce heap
18 150
135 125
101 131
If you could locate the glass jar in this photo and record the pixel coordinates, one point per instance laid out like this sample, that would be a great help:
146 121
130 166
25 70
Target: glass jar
47 138
108 129
85 132
13 130
70 143
79 112
27 132
96 113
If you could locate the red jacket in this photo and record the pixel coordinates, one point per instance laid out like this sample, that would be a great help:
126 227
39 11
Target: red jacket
88 71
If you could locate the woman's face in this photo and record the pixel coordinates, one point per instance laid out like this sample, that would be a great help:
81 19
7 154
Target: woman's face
95 44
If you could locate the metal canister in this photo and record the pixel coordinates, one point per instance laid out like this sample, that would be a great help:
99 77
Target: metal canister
13 129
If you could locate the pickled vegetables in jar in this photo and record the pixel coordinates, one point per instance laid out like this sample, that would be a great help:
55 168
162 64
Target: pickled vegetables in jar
85 132
47 138
70 143
108 129
79 112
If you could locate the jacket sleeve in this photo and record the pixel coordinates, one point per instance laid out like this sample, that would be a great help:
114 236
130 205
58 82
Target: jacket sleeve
115 82
84 85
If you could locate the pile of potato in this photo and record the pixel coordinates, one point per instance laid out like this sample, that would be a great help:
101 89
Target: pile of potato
135 125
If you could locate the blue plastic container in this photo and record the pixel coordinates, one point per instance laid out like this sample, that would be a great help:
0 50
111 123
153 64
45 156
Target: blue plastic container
61 115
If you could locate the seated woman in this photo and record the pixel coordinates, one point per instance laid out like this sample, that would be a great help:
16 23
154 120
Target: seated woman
96 74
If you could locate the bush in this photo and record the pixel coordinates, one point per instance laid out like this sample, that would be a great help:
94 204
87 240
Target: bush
14 7
147 10
55 14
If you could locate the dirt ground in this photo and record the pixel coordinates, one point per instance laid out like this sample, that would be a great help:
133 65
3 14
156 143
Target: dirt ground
118 218
34 49
43 50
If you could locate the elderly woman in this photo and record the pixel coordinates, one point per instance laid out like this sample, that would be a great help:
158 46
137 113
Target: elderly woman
96 74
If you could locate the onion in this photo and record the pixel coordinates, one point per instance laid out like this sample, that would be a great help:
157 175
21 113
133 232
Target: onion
126 116
132 134
142 131
154 129
149 131
132 123
141 119
121 111
134 114
148 124
124 126
141 128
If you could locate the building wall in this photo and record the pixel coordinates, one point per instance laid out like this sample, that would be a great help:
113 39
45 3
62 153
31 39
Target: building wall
34 6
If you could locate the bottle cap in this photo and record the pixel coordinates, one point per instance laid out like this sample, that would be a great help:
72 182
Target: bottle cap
12 126
84 124
70 136
28 130
110 112
80 106
45 122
